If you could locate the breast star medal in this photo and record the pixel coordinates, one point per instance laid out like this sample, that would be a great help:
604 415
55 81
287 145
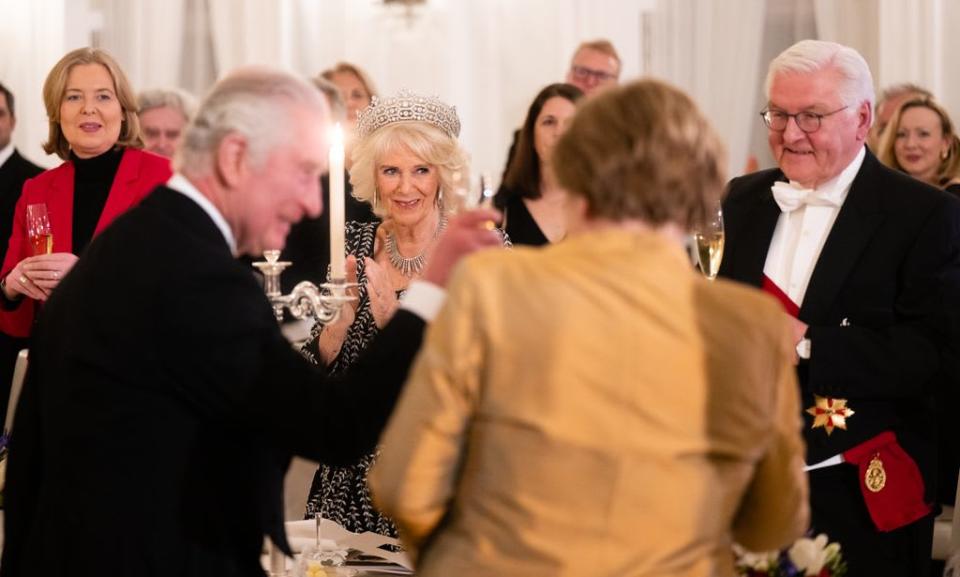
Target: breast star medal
876 476
829 413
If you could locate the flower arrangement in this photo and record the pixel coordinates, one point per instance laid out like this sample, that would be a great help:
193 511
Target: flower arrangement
807 557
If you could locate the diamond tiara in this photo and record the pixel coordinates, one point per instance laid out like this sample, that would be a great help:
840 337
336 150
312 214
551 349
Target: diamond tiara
407 107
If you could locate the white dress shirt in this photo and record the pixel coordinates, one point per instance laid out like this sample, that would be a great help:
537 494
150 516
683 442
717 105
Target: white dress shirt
800 235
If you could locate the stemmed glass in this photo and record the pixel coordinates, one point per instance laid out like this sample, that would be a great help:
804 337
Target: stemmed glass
38 229
468 195
708 239
315 561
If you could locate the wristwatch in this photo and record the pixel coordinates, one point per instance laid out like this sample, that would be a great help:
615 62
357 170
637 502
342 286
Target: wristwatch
803 349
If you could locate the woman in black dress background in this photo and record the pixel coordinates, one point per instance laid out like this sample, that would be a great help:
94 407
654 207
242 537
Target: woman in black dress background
530 197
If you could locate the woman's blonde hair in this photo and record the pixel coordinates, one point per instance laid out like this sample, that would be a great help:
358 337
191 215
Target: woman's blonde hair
55 87
949 167
642 151
425 141
347 68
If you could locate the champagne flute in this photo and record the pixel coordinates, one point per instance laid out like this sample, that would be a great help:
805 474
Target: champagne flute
709 238
38 229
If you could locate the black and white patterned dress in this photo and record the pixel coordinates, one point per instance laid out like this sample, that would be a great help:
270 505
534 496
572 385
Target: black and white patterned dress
340 493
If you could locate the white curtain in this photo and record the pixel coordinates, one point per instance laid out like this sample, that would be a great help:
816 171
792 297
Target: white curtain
147 38
251 32
32 39
901 41
854 23
900 56
489 58
712 50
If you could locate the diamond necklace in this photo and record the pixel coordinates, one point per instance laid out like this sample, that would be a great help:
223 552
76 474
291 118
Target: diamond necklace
413 265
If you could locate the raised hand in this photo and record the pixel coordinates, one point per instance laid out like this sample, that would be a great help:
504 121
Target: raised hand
383 300
466 232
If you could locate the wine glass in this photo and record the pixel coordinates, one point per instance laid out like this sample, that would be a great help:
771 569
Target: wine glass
38 229
473 191
708 239
321 559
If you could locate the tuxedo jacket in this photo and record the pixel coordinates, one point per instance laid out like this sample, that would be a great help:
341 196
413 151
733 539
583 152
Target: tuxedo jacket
139 173
880 302
163 402
13 173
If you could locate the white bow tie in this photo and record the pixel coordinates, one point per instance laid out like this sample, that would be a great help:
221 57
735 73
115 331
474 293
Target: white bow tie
791 196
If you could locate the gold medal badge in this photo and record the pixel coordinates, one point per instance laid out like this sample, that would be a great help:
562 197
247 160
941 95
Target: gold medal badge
829 413
876 476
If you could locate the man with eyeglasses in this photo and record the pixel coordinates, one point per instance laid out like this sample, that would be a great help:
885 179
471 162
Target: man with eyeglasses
867 261
595 65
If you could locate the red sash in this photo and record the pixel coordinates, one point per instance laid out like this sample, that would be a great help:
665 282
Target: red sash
890 482
771 288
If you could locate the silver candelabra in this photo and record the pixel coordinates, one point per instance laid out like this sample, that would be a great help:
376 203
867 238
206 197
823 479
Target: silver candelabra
306 299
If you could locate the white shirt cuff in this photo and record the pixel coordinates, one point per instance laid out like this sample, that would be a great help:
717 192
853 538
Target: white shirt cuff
423 299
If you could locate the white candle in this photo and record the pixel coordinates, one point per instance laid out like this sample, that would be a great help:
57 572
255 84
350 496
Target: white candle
337 266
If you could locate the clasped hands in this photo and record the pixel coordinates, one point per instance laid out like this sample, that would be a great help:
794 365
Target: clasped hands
37 276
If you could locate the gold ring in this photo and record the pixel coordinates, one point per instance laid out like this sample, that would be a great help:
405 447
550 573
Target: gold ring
23 279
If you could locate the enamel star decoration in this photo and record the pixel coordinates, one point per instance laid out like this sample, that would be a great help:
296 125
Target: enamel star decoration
829 413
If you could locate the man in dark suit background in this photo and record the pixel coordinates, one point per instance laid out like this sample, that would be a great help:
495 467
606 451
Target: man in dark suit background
866 259
162 402
14 171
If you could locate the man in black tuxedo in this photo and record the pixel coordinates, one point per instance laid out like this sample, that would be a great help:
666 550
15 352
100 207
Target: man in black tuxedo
867 261
14 171
163 403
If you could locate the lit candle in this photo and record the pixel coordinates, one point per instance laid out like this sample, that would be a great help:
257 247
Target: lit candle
337 266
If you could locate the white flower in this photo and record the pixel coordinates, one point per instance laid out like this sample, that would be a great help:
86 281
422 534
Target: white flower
810 555
761 562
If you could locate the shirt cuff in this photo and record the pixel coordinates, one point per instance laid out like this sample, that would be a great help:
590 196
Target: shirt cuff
423 299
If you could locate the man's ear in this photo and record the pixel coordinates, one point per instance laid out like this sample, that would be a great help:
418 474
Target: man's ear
231 160
864 119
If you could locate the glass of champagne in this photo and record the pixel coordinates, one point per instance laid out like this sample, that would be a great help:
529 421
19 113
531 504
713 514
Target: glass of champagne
38 229
708 239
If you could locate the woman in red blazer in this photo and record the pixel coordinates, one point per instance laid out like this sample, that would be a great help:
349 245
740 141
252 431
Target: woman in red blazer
93 125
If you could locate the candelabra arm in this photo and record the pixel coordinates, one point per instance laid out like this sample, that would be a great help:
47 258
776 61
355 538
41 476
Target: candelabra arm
306 300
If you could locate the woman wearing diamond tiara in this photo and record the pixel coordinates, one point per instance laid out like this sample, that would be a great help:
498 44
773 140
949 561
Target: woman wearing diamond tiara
406 164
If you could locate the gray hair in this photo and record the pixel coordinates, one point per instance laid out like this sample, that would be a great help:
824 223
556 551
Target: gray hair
424 140
174 98
808 56
255 102
902 89
338 109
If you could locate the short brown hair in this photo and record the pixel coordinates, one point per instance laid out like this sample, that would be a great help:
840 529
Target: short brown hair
949 167
55 86
642 151
347 68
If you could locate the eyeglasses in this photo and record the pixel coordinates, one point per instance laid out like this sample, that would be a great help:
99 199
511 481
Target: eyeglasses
582 73
806 121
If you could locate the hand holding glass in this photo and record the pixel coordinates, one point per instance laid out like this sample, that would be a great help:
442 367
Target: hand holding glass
38 229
